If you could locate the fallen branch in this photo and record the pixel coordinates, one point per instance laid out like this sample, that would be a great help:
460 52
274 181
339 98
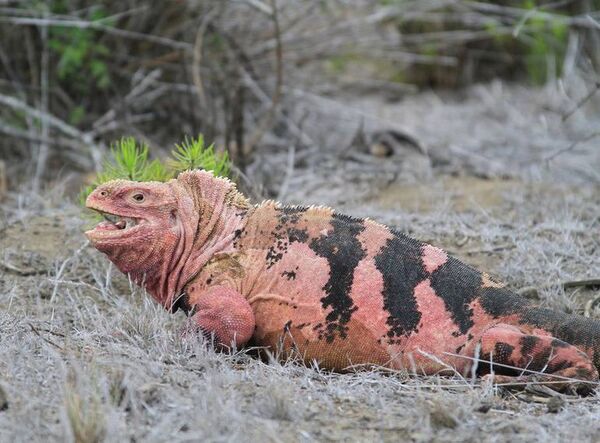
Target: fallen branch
571 146
86 138
22 272
533 292
47 340
582 102
267 121
197 57
591 283
97 25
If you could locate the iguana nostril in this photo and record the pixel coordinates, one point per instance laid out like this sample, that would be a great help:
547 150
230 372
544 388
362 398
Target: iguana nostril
103 193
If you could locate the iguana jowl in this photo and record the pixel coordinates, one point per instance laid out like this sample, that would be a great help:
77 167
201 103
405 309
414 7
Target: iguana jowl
336 289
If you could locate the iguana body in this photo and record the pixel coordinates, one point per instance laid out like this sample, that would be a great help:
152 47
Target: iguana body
338 290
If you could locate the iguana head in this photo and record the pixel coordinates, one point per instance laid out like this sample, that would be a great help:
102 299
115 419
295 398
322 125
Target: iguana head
161 234
141 223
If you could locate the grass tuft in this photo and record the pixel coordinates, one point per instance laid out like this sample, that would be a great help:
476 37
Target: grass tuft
85 416
193 154
129 160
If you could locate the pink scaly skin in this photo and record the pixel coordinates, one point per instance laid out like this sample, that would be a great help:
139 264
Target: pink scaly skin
342 291
223 311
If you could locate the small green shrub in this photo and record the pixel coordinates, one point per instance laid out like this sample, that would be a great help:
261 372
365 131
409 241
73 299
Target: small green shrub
192 154
545 38
82 60
129 160
534 53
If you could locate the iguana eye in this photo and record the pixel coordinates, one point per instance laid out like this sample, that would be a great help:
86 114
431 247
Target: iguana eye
138 197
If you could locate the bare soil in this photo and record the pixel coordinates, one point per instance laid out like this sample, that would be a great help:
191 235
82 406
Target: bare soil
85 356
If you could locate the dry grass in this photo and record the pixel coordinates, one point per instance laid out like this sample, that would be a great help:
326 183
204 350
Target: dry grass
86 356
101 360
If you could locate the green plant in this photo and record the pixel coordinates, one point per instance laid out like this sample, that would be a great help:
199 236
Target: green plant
549 40
81 58
192 154
512 38
129 160
541 41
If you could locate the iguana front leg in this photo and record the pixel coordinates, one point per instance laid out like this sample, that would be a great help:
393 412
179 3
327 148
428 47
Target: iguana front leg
512 357
223 312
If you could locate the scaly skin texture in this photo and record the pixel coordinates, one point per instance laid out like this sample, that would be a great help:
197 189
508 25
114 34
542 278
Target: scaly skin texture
338 290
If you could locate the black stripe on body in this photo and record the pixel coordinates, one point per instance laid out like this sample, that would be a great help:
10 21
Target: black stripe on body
343 252
457 284
498 361
401 267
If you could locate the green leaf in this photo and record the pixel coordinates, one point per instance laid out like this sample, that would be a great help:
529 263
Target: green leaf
76 115
193 154
129 160
156 171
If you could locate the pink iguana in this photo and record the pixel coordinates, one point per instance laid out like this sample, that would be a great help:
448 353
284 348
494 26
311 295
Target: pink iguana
338 290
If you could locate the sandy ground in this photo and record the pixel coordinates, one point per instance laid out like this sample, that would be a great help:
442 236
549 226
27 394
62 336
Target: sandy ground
85 356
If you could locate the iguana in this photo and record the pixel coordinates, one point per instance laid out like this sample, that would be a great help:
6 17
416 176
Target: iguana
341 291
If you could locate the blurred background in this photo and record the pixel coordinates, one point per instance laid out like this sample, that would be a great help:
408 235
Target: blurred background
471 125
358 92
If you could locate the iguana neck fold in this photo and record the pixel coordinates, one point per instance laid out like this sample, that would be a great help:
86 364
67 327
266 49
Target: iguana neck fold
210 210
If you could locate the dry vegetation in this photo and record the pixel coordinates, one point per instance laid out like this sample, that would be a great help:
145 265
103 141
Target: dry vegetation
237 70
87 356
307 98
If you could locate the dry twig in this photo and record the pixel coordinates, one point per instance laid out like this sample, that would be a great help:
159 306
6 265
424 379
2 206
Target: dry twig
582 102
267 121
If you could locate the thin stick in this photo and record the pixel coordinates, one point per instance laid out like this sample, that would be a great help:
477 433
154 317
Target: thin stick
266 123
197 60
22 272
47 340
84 24
590 283
571 146
43 150
55 122
582 102
528 371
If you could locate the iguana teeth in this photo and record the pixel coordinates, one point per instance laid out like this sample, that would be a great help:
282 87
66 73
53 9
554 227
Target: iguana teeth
120 222
111 218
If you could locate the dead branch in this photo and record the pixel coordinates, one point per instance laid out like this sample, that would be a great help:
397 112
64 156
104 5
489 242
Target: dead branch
22 272
47 340
589 283
582 102
57 123
571 146
44 148
197 59
533 292
268 119
97 25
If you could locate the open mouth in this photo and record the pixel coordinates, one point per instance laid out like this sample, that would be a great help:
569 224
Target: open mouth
114 222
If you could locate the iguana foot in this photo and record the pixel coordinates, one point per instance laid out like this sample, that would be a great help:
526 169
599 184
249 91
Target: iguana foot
224 313
511 357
